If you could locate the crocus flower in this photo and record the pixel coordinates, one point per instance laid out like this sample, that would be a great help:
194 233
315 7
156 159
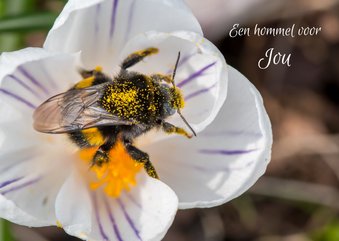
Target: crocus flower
46 180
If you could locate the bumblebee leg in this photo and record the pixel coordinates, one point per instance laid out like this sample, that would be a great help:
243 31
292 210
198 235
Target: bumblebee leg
162 78
137 56
141 157
102 156
89 73
169 128
91 77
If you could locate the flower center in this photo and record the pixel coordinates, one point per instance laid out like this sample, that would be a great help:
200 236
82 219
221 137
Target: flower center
115 176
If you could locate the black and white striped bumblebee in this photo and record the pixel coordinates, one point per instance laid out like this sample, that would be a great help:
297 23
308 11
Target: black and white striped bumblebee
102 111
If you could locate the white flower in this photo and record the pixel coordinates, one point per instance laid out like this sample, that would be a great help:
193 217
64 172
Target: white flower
44 182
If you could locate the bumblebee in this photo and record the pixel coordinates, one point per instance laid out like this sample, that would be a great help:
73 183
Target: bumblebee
101 111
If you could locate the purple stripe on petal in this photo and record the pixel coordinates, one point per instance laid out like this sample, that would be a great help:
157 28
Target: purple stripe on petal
199 92
182 61
195 75
113 18
10 167
97 13
220 169
32 79
129 220
23 84
130 197
226 152
130 19
111 218
21 186
185 59
6 183
18 98
19 161
97 217
205 169
233 134
49 77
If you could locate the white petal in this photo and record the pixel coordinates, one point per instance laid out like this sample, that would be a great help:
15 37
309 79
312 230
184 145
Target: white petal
226 158
144 213
29 182
11 60
201 73
30 76
31 170
73 206
101 28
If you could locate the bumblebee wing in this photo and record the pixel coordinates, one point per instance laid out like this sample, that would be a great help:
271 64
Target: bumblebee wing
74 110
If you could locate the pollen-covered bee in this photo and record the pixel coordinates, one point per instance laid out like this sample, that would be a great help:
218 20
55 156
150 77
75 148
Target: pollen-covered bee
102 111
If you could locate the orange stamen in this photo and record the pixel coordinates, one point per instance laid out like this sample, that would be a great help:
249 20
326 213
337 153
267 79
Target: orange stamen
116 175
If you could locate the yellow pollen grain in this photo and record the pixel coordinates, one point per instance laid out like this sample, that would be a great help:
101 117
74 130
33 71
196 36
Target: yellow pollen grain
118 175
98 69
125 97
152 108
125 100
179 102
59 224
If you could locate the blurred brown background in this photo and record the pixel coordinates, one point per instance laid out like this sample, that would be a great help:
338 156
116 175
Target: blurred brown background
298 198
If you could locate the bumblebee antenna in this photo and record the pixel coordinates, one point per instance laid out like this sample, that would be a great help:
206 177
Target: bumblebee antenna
173 83
175 69
183 118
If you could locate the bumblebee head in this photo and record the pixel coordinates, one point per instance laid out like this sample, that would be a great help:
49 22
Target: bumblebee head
177 100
